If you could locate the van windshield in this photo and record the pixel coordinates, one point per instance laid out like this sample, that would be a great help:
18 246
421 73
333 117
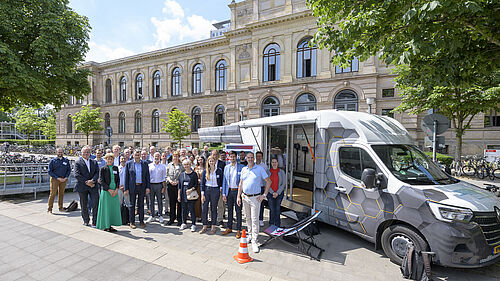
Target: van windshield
410 165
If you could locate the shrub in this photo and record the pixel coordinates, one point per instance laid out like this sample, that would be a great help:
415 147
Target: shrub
443 158
32 142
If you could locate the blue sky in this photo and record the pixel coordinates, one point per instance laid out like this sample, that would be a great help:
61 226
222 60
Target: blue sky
124 28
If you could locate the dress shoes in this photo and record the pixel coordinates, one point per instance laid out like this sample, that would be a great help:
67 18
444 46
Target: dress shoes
133 226
227 231
238 234
142 225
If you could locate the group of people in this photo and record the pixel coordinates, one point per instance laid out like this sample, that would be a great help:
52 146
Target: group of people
195 184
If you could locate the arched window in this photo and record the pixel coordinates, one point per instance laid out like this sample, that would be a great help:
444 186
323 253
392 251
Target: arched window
155 121
270 107
220 75
156 84
69 125
306 59
195 119
346 100
138 122
272 62
305 102
219 115
123 89
176 82
107 120
108 90
121 123
138 87
197 79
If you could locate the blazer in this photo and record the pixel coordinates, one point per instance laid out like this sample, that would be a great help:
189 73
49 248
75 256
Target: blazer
218 173
82 174
221 164
227 177
105 177
130 175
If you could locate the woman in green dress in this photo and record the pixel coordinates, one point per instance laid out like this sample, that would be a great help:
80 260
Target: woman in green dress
108 213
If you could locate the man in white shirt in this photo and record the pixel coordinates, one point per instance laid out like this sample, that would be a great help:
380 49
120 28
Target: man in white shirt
116 153
157 174
151 156
259 156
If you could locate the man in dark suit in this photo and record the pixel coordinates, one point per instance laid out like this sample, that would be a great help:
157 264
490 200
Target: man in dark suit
86 174
136 184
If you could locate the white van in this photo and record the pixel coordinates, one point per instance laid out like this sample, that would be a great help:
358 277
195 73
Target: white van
366 175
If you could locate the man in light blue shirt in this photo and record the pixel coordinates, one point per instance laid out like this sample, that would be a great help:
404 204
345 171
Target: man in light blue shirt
249 191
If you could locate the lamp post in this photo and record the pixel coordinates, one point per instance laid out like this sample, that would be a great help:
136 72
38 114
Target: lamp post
370 101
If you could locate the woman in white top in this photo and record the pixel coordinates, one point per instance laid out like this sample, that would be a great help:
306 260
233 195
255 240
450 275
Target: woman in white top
211 185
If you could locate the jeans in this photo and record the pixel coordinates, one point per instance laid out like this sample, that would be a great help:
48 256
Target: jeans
231 202
156 193
188 207
212 195
274 209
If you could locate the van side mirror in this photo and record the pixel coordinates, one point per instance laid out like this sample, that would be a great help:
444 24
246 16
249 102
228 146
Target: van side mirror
368 177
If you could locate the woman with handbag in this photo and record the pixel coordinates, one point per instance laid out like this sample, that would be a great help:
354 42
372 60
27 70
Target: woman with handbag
211 185
187 194
108 212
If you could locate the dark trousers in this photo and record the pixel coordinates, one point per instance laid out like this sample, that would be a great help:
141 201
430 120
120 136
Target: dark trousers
137 197
175 206
93 193
156 193
212 195
261 212
188 207
231 202
274 209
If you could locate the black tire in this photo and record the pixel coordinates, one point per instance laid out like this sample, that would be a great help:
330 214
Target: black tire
481 172
395 249
468 171
496 174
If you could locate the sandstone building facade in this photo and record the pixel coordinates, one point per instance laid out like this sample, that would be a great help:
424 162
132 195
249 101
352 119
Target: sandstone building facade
261 65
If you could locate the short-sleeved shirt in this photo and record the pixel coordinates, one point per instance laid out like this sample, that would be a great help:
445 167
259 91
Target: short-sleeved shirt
252 179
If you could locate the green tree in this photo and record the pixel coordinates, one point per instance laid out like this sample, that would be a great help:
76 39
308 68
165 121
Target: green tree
49 125
42 43
446 52
178 125
28 121
88 120
5 117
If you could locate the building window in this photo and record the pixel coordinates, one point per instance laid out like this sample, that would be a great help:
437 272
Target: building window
195 119
176 82
79 101
108 91
219 115
138 122
69 125
306 59
388 112
197 79
220 76
353 67
107 120
305 102
138 87
492 118
346 100
123 89
388 93
270 107
71 100
121 123
272 62
156 84
155 121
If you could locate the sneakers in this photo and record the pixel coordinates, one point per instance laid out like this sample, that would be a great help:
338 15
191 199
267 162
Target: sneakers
261 223
183 226
160 219
193 228
150 219
255 248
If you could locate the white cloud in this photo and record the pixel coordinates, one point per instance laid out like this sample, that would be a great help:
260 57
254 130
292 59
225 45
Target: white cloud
176 27
102 52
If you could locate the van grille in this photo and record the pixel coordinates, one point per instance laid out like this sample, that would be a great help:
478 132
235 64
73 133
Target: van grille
490 225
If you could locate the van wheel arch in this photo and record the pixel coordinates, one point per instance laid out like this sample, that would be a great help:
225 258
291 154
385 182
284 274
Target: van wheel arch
384 225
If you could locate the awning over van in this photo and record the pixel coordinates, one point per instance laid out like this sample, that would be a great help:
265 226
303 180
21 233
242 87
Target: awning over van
226 134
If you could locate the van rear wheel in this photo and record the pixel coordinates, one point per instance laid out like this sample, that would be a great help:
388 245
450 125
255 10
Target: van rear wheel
395 240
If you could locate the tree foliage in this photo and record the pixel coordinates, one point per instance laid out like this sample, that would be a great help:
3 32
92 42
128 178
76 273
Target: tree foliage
178 125
49 125
88 120
27 121
447 52
41 44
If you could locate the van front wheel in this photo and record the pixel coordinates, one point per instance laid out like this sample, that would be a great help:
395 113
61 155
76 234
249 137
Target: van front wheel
396 238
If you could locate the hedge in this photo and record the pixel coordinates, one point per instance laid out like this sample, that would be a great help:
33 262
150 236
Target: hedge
32 142
443 158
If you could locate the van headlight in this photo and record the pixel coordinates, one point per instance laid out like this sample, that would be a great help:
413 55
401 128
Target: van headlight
449 213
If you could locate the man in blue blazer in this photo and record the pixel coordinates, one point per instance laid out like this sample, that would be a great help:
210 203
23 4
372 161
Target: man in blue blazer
232 173
136 184
86 174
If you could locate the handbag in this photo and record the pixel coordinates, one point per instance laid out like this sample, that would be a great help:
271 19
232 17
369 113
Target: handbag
193 195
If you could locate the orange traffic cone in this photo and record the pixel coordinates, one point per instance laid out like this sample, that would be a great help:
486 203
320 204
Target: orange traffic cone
242 256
